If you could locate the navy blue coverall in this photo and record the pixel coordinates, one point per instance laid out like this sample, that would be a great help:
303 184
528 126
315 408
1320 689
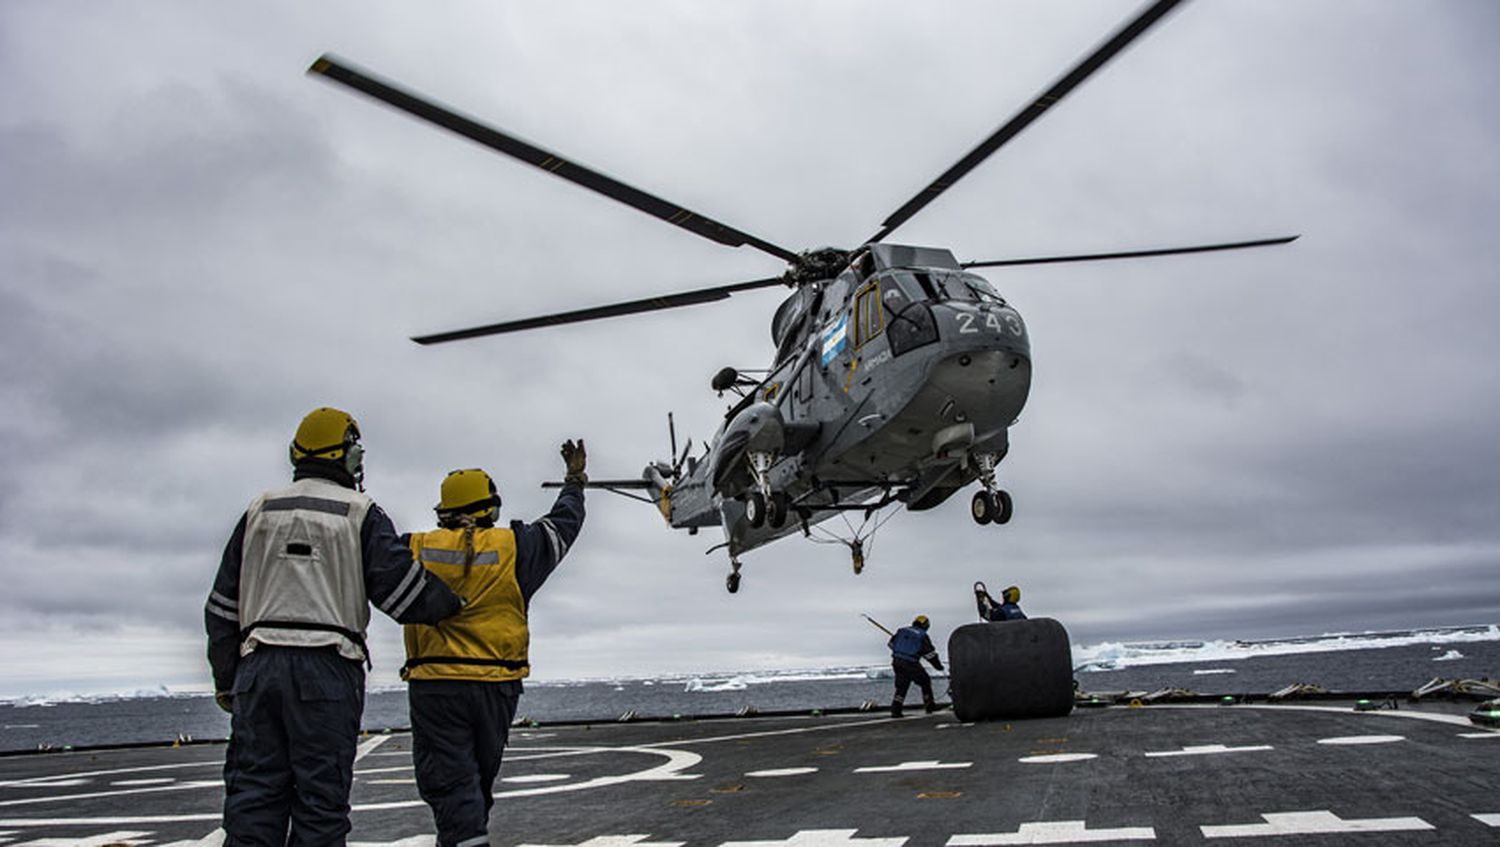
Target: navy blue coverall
460 727
296 710
909 646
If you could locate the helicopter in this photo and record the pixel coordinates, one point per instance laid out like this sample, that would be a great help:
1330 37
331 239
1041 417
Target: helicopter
898 371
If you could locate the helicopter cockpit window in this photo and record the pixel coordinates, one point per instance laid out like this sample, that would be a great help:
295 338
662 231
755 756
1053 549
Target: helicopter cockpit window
908 318
982 290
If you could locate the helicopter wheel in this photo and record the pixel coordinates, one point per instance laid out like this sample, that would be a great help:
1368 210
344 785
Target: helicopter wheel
776 513
1006 507
982 508
755 509
732 582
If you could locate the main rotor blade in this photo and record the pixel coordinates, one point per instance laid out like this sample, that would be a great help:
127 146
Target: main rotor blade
433 112
1134 254
1080 72
647 304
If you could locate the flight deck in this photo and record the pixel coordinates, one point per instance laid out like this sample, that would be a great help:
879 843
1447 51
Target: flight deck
1170 774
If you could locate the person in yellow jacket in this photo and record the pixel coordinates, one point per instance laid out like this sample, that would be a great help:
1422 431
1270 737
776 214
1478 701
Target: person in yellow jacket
464 677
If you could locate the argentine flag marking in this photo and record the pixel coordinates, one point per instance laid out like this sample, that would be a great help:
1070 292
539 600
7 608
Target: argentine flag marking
835 338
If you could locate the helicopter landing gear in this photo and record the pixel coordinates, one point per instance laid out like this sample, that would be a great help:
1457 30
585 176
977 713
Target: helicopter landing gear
857 554
732 582
762 505
992 505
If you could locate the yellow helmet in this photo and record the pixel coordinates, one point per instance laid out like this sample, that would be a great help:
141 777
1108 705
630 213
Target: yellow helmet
469 492
1011 595
920 621
331 435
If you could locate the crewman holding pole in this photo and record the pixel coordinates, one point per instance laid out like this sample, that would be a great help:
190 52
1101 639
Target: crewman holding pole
909 645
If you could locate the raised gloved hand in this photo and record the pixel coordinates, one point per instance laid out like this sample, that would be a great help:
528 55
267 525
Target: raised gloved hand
225 701
576 458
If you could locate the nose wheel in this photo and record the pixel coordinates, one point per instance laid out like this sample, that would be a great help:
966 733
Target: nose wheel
762 505
991 505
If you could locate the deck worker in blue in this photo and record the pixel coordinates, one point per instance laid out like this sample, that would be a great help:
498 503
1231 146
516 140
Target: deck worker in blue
464 677
286 625
909 646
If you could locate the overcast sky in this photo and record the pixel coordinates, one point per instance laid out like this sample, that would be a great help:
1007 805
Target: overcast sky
199 243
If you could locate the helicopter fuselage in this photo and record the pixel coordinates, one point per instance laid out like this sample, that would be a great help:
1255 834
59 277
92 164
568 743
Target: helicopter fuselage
893 376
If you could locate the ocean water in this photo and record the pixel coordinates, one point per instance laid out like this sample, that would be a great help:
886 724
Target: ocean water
1365 662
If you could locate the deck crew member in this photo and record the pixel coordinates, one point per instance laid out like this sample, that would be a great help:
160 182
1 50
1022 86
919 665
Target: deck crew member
1008 609
286 625
909 646
465 676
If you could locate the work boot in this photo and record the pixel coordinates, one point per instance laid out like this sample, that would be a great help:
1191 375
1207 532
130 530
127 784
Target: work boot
930 706
895 708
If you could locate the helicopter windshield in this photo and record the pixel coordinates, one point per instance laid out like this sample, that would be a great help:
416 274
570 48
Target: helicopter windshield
941 285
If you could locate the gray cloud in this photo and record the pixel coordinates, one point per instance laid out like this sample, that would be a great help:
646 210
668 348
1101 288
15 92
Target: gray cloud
198 244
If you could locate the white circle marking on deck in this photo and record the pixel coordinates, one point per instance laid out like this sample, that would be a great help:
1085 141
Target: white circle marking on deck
1362 739
774 772
1057 757
162 780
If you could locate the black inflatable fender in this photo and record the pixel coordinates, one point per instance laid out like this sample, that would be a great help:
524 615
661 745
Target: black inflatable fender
1010 670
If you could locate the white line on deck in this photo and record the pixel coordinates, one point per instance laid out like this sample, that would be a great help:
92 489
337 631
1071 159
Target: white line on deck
60 798
536 777
1053 758
1312 823
914 766
369 746
1055 832
775 772
616 841
1487 820
1208 749
123 837
822 838
1362 739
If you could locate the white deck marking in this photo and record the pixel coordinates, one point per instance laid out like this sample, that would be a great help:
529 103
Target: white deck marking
1362 739
1486 734
1312 823
615 841
775 772
822 838
1487 820
412 781
414 841
1208 749
129 783
1409 714
63 781
213 839
914 766
115 820
125 837
1053 758
89 795
369 746
1055 832
536 777
216 763
392 769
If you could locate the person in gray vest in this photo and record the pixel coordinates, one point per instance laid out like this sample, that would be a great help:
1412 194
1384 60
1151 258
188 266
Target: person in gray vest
286 625
909 645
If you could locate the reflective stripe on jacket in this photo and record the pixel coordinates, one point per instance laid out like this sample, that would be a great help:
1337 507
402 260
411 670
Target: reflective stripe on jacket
302 563
488 640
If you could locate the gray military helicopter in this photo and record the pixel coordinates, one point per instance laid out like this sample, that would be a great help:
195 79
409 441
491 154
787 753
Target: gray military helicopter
898 370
